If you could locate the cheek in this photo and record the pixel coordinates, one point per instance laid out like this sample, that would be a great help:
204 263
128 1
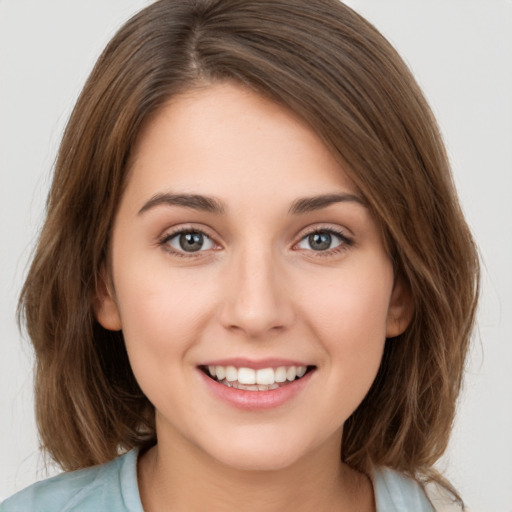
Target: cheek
352 302
162 318
162 311
349 318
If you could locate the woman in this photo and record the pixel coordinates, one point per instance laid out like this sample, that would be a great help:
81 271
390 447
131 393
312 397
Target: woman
204 126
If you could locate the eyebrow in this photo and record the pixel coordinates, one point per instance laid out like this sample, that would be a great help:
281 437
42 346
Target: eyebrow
212 205
311 204
194 201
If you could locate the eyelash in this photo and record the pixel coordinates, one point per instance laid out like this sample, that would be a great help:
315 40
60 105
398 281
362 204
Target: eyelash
345 242
164 242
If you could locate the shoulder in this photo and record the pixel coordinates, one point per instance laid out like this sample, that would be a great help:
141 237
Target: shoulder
111 486
395 492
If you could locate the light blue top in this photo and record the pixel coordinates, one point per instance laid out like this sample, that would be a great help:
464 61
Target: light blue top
113 487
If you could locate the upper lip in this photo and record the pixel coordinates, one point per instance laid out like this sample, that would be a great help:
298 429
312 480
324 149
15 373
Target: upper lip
256 364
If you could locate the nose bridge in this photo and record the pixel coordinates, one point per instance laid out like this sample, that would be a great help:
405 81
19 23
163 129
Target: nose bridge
257 301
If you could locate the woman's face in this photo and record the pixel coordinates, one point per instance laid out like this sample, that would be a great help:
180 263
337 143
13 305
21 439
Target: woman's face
242 253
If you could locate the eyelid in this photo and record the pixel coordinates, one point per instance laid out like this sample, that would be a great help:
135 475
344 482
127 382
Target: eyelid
207 242
347 240
170 233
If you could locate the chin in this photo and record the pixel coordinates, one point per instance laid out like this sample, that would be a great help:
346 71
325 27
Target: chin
275 455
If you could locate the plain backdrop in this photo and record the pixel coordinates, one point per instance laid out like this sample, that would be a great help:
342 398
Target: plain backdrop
461 54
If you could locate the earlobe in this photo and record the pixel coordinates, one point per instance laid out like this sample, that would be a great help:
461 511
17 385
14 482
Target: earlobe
105 306
401 309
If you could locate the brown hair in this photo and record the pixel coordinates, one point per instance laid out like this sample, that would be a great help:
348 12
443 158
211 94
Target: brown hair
334 69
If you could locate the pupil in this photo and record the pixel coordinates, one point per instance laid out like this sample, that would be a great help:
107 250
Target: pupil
191 242
320 241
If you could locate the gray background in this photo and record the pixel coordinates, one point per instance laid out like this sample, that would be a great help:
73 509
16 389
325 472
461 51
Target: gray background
461 53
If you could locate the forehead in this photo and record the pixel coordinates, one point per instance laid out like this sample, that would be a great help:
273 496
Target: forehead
225 134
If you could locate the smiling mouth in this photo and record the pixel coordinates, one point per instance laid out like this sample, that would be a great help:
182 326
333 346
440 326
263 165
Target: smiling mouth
249 379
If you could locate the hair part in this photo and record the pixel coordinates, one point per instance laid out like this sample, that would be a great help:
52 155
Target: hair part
330 66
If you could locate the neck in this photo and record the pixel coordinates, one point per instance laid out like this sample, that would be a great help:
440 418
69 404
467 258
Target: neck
192 481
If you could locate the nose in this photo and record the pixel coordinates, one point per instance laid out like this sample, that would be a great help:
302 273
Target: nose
257 300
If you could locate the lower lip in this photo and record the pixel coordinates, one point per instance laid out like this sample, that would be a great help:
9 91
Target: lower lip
256 400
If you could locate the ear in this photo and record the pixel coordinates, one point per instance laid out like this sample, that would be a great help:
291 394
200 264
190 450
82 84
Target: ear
105 306
401 309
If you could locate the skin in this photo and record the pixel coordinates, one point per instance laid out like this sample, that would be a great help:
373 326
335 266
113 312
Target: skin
256 289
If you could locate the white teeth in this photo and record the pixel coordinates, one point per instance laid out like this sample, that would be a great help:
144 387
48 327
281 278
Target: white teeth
231 373
253 387
254 380
301 371
220 372
246 376
265 376
291 373
280 374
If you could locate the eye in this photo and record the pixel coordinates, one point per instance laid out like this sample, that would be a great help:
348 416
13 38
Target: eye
323 240
189 241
